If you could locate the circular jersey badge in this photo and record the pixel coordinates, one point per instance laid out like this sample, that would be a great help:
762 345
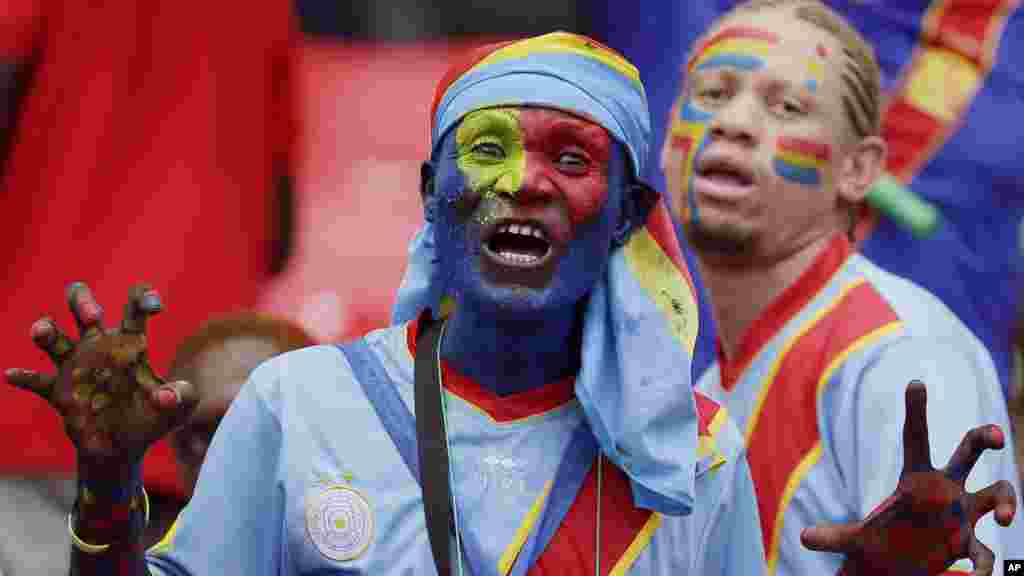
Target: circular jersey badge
339 522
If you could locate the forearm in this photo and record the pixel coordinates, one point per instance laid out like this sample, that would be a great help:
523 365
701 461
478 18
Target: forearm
108 520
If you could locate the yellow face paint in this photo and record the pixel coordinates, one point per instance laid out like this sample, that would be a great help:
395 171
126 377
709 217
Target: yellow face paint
737 47
491 155
687 139
816 69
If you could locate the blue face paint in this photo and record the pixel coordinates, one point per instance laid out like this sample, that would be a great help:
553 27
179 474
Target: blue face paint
689 137
691 194
739 47
510 336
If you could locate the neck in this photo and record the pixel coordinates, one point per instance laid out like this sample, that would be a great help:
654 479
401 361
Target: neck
513 351
739 294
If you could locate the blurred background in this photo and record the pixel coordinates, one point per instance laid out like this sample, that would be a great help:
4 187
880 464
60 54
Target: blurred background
241 155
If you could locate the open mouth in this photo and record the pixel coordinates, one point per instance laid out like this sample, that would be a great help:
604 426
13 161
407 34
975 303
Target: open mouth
725 173
523 244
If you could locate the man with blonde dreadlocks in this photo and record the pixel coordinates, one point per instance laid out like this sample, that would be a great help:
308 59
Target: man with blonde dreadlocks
772 144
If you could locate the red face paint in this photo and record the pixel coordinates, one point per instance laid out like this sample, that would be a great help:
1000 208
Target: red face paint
681 143
568 157
802 161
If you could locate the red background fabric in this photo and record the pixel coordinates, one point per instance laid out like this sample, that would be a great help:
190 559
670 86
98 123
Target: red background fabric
143 152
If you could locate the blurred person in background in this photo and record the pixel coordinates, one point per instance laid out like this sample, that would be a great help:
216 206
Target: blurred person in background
217 359
774 142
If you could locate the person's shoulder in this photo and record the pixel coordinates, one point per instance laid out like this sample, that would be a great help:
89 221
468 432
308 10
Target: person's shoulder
927 332
921 313
927 343
324 369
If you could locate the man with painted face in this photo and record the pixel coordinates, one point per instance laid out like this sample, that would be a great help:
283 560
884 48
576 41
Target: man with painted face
559 280
773 142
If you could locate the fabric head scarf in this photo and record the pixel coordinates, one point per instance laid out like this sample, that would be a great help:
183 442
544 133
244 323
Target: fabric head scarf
640 322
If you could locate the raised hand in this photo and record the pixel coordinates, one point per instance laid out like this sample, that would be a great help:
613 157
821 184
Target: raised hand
928 523
113 405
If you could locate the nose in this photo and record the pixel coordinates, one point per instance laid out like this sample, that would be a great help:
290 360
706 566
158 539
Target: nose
538 185
737 121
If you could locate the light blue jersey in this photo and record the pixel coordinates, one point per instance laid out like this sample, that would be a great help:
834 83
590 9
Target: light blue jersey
818 388
302 478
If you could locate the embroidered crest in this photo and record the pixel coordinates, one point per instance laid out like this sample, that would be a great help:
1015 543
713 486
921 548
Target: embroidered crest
502 473
339 521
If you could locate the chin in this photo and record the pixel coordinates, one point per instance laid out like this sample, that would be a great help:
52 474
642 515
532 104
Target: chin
508 294
505 297
721 239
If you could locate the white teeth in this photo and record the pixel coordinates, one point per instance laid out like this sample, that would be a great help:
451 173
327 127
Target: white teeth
523 229
519 258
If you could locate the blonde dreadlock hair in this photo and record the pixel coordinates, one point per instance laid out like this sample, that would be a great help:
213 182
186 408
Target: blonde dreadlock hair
860 73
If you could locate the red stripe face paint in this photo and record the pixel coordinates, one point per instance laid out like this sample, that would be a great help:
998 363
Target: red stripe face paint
739 47
802 161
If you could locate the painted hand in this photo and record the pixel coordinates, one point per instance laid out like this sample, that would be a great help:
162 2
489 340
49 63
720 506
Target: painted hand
113 405
928 523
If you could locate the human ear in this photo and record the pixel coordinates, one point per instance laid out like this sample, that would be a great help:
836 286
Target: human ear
861 168
637 201
427 190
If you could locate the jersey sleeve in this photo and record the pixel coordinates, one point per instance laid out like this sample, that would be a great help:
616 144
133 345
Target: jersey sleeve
733 544
963 393
233 524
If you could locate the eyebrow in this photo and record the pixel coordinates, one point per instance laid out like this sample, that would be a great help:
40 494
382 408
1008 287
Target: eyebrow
484 121
574 126
591 137
781 84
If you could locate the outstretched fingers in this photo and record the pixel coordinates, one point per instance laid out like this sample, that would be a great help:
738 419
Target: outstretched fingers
52 340
41 384
916 450
175 401
838 538
87 311
143 302
999 497
974 443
